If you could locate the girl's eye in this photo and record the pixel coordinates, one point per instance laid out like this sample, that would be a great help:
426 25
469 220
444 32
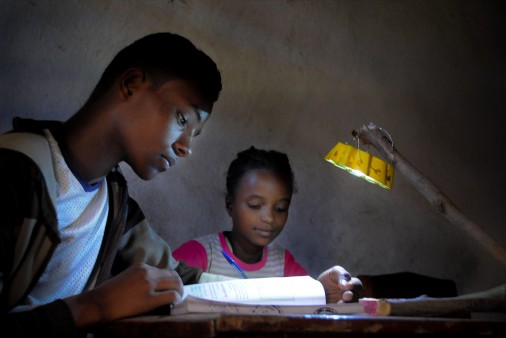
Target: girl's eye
282 207
254 206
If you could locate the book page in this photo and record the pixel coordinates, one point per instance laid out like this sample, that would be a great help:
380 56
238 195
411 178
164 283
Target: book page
199 305
303 290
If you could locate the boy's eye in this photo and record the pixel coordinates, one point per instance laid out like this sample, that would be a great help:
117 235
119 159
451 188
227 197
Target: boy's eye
254 206
181 119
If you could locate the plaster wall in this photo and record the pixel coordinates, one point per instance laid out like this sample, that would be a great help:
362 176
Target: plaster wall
298 77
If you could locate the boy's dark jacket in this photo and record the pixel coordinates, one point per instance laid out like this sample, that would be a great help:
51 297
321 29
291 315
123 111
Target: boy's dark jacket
29 234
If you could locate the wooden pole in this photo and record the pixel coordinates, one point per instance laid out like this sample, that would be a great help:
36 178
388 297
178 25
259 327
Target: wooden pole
371 134
492 300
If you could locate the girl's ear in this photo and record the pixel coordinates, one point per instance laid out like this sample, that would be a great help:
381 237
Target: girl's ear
228 205
130 82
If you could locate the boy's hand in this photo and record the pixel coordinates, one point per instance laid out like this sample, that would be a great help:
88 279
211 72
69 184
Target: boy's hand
138 289
339 286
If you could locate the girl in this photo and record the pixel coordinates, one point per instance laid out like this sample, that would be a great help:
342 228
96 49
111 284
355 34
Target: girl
260 185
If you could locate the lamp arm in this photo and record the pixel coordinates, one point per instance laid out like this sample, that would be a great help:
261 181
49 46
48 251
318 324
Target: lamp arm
371 134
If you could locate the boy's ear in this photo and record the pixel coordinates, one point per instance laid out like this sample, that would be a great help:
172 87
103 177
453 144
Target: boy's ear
130 82
228 205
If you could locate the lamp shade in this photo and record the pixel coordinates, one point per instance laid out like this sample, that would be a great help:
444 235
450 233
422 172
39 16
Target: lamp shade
362 164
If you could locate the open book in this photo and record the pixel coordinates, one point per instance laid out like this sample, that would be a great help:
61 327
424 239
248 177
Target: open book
274 295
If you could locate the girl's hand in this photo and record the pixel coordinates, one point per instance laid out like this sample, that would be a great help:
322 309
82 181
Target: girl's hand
339 286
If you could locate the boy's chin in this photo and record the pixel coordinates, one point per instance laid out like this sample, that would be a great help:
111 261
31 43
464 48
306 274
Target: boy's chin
148 174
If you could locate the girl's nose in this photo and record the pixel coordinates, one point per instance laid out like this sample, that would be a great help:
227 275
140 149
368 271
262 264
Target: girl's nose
267 216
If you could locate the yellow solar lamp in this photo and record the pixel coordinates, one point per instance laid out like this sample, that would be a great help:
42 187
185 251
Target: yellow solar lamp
362 164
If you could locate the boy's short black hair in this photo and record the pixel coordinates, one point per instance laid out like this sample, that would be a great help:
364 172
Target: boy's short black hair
164 56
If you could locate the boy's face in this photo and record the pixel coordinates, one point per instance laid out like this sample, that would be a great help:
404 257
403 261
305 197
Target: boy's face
160 126
260 208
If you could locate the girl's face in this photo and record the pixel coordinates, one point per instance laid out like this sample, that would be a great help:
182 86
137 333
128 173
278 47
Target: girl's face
260 208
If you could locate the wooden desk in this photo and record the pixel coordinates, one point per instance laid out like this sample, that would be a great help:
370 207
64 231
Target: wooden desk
228 325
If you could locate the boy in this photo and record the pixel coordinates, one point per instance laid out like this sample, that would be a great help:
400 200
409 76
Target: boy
76 251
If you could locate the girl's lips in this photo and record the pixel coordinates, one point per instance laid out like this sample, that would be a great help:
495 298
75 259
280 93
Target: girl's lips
264 232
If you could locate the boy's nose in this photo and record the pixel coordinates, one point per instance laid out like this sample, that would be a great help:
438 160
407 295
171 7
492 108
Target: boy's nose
182 148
